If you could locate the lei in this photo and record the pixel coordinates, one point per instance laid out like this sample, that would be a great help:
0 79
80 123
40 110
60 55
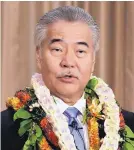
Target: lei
47 128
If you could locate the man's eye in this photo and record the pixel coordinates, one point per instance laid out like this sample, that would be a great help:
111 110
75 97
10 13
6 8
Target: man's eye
81 53
57 49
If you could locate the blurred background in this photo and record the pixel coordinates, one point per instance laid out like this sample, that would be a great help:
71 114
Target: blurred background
114 61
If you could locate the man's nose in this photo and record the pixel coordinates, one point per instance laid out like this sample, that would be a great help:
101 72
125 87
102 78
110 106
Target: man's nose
68 60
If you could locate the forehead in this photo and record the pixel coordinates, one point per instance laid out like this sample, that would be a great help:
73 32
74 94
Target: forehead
70 31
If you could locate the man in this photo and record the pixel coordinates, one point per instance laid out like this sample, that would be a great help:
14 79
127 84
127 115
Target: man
51 114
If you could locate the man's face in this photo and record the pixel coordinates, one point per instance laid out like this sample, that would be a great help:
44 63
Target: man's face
67 58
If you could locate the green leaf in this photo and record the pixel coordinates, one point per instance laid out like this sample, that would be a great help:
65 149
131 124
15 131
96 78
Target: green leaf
24 128
15 116
25 122
39 138
33 139
84 117
129 132
21 131
28 142
38 131
22 113
88 90
128 146
92 83
27 145
130 141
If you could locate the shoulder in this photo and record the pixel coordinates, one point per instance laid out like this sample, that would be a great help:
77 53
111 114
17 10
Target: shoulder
9 132
129 119
7 117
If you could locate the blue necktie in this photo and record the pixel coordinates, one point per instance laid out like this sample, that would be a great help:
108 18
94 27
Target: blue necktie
75 127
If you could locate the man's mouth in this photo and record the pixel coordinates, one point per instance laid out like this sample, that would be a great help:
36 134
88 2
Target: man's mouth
68 79
68 76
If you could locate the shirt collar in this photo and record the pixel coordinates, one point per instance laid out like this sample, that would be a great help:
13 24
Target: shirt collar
80 104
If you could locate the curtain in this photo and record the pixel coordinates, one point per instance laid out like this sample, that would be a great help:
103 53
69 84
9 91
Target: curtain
114 61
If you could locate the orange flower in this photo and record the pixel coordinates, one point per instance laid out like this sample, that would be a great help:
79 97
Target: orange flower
43 144
93 134
122 121
23 96
53 138
14 102
95 109
44 122
49 132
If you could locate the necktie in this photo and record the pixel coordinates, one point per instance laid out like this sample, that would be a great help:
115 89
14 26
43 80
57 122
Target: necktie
75 127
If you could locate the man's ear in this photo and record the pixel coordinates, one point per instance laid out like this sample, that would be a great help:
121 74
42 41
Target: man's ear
38 57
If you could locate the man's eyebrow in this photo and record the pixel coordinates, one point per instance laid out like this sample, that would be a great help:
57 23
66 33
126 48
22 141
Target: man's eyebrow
61 40
55 40
82 43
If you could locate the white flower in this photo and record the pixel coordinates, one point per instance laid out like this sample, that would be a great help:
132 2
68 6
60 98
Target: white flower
35 105
58 120
31 107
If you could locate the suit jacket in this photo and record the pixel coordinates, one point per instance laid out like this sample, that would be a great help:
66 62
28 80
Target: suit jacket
10 139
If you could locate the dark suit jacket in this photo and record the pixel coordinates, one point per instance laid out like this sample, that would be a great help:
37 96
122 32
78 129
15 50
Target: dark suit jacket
10 139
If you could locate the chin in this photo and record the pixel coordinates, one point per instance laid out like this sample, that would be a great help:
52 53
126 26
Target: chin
67 91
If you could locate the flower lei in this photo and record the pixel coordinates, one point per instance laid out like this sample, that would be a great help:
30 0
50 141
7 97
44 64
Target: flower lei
48 128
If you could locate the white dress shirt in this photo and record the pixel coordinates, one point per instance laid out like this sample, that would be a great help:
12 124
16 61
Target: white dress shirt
81 106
